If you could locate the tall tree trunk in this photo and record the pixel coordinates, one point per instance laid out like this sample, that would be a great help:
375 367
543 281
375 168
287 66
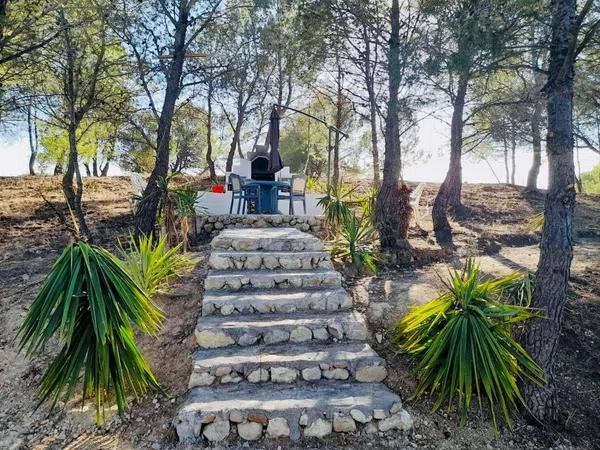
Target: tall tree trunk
88 172
104 170
513 162
338 124
506 168
536 137
449 194
95 166
209 149
32 140
369 82
556 247
391 213
145 216
234 144
58 169
74 195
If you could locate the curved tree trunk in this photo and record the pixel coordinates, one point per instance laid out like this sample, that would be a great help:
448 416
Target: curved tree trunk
74 195
449 194
147 209
506 169
556 247
32 140
513 162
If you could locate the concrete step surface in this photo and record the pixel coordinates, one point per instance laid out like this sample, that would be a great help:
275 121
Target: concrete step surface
235 260
295 410
287 363
267 239
222 331
275 301
235 280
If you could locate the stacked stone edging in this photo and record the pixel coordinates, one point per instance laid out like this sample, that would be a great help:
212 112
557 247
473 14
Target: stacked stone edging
213 225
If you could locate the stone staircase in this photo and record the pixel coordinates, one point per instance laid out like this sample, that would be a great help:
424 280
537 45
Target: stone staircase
281 353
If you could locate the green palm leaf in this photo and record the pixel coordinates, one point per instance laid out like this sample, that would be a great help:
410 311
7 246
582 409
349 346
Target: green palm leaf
463 343
91 304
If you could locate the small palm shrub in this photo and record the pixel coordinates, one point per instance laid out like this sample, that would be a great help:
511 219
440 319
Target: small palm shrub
354 243
464 345
185 204
91 303
336 204
151 263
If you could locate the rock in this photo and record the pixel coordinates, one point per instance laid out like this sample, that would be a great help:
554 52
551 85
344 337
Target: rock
278 428
200 379
230 379
301 334
270 262
283 375
213 339
258 376
258 418
219 226
226 310
250 431
335 329
253 262
401 421
303 420
343 423
275 336
359 416
311 373
370 428
336 374
208 418
379 313
379 338
370 374
222 371
379 414
319 429
320 334
217 431
248 339
236 416
396 407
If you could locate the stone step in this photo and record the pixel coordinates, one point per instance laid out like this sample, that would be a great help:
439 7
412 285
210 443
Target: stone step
223 260
235 280
266 239
279 411
287 363
275 301
222 331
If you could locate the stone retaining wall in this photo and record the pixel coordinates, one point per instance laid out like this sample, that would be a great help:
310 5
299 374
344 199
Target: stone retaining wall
212 225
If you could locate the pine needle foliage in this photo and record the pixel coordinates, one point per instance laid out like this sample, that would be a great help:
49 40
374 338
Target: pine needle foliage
90 303
464 345
152 264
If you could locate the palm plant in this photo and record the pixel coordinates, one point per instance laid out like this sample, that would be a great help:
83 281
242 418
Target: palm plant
185 205
354 243
336 204
91 303
151 263
463 343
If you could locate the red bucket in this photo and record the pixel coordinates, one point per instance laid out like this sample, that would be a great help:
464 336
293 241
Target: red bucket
218 188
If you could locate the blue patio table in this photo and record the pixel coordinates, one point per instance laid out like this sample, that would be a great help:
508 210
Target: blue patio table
269 191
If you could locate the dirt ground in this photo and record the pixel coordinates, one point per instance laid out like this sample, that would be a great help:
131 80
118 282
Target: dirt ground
493 227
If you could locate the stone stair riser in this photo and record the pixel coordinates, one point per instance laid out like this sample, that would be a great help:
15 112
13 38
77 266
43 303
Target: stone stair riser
367 373
276 302
279 417
271 240
269 261
271 280
217 334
